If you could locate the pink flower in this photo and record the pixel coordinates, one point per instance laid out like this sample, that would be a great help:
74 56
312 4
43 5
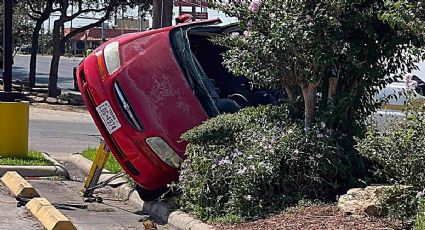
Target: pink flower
254 6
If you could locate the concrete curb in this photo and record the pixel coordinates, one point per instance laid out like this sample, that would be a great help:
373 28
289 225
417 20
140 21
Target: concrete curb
158 209
84 165
18 186
48 215
37 171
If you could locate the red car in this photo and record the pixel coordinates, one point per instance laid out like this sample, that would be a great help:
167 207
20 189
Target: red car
144 90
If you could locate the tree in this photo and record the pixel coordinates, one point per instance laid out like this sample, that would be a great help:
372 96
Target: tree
335 55
103 8
39 11
21 24
162 13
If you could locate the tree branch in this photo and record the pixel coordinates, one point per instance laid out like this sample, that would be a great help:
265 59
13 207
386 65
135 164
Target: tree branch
30 4
79 12
86 27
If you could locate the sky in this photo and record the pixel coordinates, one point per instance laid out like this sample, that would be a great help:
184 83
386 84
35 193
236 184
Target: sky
133 12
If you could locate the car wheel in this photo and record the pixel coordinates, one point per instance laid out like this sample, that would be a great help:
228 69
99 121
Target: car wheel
74 75
148 195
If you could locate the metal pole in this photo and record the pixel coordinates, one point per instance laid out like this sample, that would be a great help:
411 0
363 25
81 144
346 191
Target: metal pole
193 10
162 11
103 32
139 18
7 45
122 20
72 12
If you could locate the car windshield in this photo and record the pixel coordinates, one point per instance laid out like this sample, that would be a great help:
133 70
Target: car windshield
200 59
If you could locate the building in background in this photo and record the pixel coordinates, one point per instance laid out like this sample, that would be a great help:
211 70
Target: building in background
92 38
197 8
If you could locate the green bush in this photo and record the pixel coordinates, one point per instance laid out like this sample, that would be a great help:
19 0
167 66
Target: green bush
240 166
420 218
399 151
399 202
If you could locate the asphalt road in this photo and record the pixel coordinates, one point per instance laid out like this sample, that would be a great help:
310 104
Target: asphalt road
65 81
61 133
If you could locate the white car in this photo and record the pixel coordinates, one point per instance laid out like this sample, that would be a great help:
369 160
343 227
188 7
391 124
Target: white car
396 93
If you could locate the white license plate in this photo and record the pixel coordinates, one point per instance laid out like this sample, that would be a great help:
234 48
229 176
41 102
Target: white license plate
108 117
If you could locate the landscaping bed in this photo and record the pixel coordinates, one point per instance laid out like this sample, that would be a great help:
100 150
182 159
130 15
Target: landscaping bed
316 217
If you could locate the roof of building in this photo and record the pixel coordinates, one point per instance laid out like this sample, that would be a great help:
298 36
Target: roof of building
95 34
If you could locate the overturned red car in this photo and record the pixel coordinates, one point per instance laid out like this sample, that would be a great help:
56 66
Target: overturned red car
144 90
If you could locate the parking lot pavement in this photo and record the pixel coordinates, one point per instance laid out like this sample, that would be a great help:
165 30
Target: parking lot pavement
111 214
60 133
12 217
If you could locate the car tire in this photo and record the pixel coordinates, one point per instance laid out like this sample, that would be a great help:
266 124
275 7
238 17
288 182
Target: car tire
74 75
148 195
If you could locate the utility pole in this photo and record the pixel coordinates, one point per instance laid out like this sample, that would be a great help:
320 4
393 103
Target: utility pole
103 32
162 13
194 10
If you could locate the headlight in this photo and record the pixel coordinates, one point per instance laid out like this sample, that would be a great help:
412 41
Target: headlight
164 151
112 57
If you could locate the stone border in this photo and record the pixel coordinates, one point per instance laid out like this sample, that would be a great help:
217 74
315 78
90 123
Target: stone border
37 171
158 209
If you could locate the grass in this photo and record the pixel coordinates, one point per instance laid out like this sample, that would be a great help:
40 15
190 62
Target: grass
34 158
111 165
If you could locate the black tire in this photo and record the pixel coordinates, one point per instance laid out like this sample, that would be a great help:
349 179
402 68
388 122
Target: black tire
74 75
148 195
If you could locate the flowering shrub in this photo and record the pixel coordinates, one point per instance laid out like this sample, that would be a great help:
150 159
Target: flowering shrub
312 48
399 151
244 165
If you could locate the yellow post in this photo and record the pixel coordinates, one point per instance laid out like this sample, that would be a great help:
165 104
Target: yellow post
14 119
99 162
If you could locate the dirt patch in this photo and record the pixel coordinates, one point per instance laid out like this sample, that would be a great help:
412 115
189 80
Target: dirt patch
66 108
327 217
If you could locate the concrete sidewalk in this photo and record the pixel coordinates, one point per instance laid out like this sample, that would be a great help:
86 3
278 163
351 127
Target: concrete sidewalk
111 214
12 217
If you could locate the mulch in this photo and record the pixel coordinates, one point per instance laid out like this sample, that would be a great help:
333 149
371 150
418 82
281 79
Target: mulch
322 217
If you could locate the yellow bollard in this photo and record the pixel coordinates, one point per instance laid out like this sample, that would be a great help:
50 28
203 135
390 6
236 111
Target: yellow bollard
14 119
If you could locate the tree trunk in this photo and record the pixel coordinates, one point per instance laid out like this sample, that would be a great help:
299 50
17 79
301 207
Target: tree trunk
34 52
162 13
333 83
290 94
54 65
309 94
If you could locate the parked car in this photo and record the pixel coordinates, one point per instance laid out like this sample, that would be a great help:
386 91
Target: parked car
74 75
144 90
26 49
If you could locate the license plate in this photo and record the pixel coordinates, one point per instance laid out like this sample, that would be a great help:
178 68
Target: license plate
108 117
